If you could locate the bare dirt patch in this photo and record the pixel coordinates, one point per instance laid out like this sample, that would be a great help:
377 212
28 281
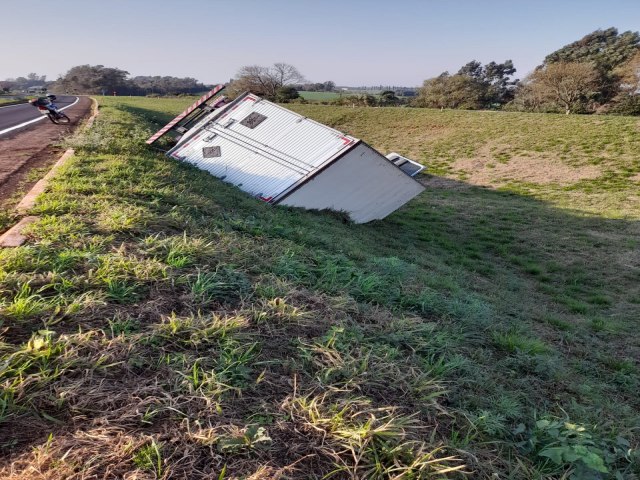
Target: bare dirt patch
534 168
34 147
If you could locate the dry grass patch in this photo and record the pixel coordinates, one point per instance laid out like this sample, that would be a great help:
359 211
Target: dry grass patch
538 169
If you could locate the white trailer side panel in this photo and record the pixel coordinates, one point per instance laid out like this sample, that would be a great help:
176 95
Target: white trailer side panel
362 182
260 147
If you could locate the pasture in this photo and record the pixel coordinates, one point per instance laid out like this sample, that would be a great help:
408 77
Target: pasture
319 96
161 323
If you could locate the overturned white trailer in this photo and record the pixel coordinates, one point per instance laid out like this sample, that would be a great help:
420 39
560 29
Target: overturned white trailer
287 159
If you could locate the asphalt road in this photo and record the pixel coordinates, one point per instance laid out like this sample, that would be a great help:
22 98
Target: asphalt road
16 114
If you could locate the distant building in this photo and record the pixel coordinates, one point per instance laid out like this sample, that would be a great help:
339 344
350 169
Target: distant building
37 89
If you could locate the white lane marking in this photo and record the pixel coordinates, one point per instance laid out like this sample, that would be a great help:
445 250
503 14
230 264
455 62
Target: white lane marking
10 129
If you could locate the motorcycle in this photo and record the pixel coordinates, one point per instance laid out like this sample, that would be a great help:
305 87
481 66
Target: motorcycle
51 110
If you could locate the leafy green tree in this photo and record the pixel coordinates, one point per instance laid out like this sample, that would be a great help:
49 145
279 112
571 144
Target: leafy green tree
452 91
472 69
6 86
388 98
627 102
569 85
606 50
328 86
167 85
495 79
474 87
95 79
500 85
32 79
363 100
286 94
629 75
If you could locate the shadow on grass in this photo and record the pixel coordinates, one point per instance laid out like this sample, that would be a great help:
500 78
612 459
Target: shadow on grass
496 271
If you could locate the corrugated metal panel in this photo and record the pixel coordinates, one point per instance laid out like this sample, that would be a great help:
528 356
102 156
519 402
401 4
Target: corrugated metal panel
269 159
362 182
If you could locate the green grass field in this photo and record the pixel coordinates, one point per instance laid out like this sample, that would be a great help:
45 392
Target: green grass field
319 96
10 101
162 324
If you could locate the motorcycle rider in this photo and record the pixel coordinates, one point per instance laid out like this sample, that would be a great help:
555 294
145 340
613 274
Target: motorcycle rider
46 102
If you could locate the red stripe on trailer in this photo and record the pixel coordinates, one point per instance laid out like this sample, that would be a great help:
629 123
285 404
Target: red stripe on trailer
346 140
172 123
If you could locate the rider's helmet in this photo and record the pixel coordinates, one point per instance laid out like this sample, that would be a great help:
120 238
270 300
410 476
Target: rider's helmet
51 97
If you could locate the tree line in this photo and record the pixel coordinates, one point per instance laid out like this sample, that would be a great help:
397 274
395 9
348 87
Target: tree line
101 80
23 83
598 73
282 82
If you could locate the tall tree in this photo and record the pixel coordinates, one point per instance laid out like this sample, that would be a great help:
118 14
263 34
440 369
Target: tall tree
472 69
629 74
606 50
167 85
32 79
568 84
329 86
627 101
451 91
94 79
500 85
265 81
388 98
474 86
495 79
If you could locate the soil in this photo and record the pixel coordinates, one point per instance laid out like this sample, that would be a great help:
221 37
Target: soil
38 146
485 170
542 171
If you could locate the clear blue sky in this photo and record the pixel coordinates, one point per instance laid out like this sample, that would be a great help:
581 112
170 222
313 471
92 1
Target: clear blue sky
352 42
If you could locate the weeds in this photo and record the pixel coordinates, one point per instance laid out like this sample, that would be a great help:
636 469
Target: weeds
24 304
576 451
221 285
149 458
202 334
379 443
253 437
514 342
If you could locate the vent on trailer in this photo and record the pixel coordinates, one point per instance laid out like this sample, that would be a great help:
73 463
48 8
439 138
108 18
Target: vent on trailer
408 166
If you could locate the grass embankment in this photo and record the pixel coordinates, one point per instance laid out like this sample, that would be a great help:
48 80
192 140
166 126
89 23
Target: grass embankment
160 323
5 102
